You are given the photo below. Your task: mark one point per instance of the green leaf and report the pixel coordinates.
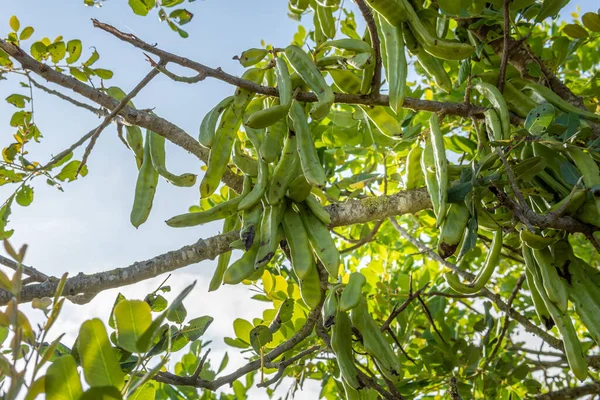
(454, 7)
(146, 340)
(26, 33)
(103, 73)
(132, 318)
(238, 343)
(24, 196)
(93, 58)
(17, 100)
(146, 392)
(100, 365)
(171, 3)
(62, 380)
(4, 214)
(569, 173)
(224, 363)
(575, 31)
(242, 329)
(36, 388)
(38, 50)
(539, 119)
(182, 16)
(78, 74)
(259, 337)
(74, 50)
(111, 318)
(140, 7)
(68, 172)
(196, 327)
(464, 71)
(14, 23)
(57, 51)
(591, 21)
(470, 239)
(459, 144)
(102, 393)
(550, 8)
(177, 314)
(156, 302)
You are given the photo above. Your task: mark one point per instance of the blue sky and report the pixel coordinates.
(86, 228)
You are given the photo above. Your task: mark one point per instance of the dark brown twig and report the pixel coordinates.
(397, 310)
(372, 99)
(364, 240)
(200, 365)
(453, 389)
(393, 335)
(375, 43)
(506, 49)
(430, 318)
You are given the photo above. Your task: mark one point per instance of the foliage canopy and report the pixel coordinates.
(406, 199)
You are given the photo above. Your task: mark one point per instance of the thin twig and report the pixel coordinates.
(430, 318)
(115, 111)
(397, 310)
(98, 111)
(200, 365)
(393, 335)
(506, 50)
(284, 364)
(364, 240)
(512, 297)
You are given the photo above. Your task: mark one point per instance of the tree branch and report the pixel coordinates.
(570, 393)
(283, 364)
(140, 118)
(33, 273)
(375, 43)
(365, 210)
(98, 111)
(459, 109)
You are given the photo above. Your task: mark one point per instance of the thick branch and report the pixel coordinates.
(134, 117)
(361, 211)
(459, 109)
(204, 249)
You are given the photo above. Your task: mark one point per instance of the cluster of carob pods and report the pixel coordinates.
(276, 154)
